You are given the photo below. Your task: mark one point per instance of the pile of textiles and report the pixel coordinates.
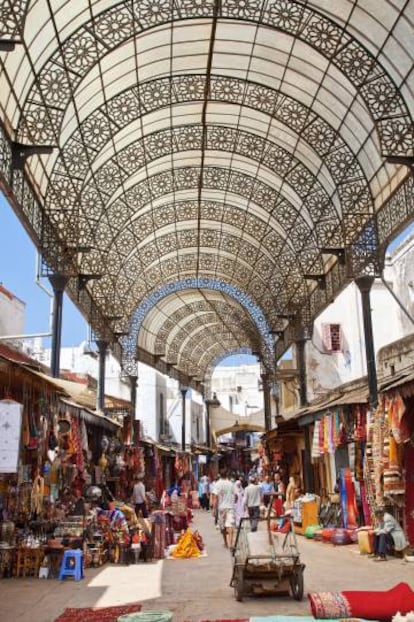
(363, 604)
(97, 614)
(189, 545)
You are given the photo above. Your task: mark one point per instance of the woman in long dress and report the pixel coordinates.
(239, 503)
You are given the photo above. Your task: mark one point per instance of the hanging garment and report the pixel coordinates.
(38, 491)
(315, 442)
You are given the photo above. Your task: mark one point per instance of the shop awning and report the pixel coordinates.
(223, 421)
(92, 417)
(404, 377)
(81, 394)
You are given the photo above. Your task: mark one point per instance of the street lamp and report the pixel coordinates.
(213, 402)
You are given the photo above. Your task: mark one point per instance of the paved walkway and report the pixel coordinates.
(196, 589)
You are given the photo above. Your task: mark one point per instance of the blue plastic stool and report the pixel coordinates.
(72, 565)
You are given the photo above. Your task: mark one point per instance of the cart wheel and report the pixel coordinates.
(296, 584)
(238, 584)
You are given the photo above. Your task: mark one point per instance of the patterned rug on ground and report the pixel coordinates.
(97, 614)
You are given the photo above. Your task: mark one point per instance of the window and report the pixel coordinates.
(332, 337)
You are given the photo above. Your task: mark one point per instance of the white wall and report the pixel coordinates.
(238, 388)
(77, 360)
(390, 323)
(399, 274)
(150, 384)
(12, 311)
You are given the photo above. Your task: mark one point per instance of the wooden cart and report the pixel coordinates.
(267, 561)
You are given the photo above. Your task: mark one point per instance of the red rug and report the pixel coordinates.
(369, 605)
(97, 614)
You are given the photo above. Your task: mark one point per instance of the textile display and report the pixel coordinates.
(409, 492)
(159, 534)
(379, 605)
(97, 614)
(348, 499)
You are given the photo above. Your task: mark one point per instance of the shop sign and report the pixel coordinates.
(10, 430)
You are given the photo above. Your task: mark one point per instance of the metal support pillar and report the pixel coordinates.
(58, 283)
(214, 402)
(266, 402)
(183, 391)
(308, 474)
(133, 382)
(208, 423)
(364, 284)
(100, 394)
(301, 364)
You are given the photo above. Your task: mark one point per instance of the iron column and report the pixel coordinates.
(133, 398)
(58, 283)
(364, 284)
(100, 394)
(266, 402)
(183, 391)
(301, 363)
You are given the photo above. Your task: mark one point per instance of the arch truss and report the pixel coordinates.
(207, 174)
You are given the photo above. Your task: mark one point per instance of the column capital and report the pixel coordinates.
(364, 283)
(102, 344)
(58, 282)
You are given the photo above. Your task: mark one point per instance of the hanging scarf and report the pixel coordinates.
(315, 452)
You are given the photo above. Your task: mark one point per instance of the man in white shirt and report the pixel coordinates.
(253, 498)
(139, 498)
(225, 503)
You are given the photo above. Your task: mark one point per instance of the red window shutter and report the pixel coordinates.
(326, 337)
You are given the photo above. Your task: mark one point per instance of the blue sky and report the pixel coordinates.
(18, 274)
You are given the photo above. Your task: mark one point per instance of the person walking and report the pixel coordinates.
(204, 493)
(225, 504)
(139, 498)
(253, 498)
(239, 502)
(213, 500)
(267, 490)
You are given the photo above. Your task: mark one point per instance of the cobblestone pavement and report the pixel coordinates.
(197, 589)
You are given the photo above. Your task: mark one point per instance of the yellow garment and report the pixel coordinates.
(38, 492)
(186, 546)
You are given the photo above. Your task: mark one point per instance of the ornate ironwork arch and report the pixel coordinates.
(179, 323)
(129, 342)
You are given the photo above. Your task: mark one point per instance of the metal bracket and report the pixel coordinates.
(8, 45)
(21, 152)
(83, 280)
(338, 252)
(404, 160)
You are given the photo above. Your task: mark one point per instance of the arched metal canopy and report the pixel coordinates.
(208, 174)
